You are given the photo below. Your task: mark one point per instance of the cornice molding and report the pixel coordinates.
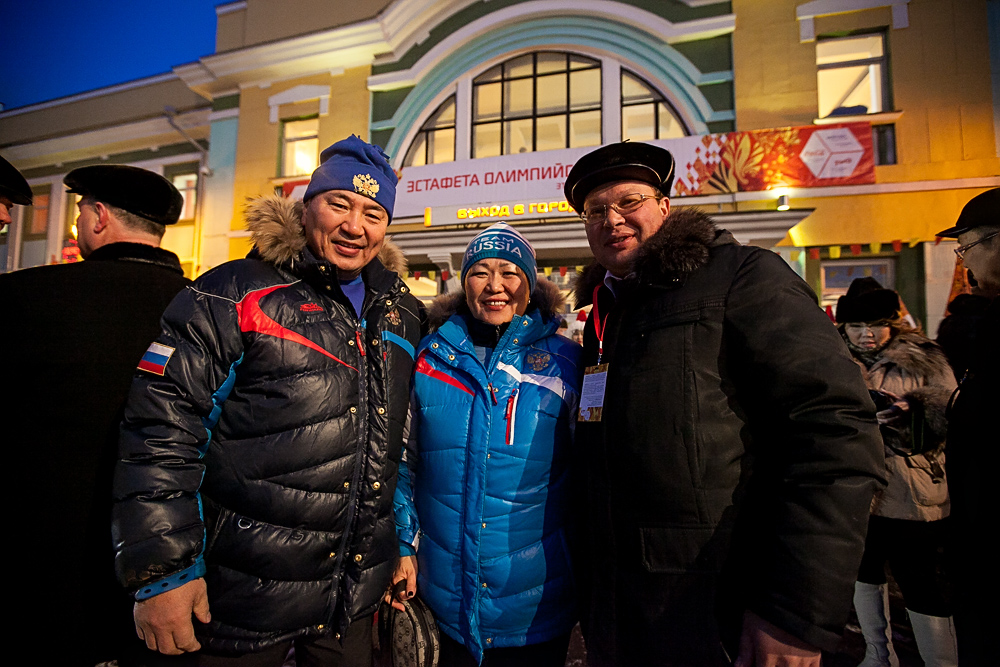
(90, 94)
(230, 7)
(661, 29)
(349, 46)
(881, 118)
(299, 94)
(139, 135)
(404, 24)
(805, 13)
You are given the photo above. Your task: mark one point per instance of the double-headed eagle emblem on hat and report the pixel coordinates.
(366, 185)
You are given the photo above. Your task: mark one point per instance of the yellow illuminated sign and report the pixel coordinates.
(506, 211)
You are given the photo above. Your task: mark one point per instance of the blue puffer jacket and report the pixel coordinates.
(483, 489)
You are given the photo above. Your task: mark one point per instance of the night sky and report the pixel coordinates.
(54, 48)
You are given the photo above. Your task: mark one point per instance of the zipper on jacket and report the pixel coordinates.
(509, 416)
(361, 344)
(493, 393)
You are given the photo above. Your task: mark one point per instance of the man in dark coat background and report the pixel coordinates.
(972, 436)
(727, 464)
(71, 339)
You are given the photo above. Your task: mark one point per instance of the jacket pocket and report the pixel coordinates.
(927, 491)
(683, 549)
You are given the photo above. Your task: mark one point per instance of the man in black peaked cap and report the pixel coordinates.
(972, 429)
(727, 446)
(72, 336)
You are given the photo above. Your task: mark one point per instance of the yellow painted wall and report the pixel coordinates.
(940, 78)
(774, 76)
(258, 139)
(878, 218)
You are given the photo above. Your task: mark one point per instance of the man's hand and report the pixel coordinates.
(164, 621)
(406, 570)
(765, 645)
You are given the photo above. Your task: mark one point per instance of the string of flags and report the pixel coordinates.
(836, 251)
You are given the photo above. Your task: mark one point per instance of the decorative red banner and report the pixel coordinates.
(756, 160)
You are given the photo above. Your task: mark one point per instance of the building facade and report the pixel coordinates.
(841, 133)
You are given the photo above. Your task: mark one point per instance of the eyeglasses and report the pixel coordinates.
(595, 215)
(962, 249)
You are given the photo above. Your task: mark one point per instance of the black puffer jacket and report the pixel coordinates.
(267, 450)
(738, 455)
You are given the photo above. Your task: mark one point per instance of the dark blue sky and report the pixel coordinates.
(54, 48)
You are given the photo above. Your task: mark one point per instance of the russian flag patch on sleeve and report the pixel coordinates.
(155, 359)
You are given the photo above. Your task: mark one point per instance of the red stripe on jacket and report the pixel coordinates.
(253, 319)
(425, 368)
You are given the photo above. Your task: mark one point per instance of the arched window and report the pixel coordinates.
(543, 101)
(536, 102)
(435, 142)
(646, 114)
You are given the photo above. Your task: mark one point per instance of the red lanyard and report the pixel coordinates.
(598, 325)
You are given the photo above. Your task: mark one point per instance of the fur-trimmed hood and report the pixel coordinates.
(275, 225)
(912, 355)
(679, 247)
(916, 355)
(546, 297)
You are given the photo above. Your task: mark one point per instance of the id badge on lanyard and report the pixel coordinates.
(595, 378)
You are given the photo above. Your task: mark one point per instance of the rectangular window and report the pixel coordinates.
(70, 247)
(852, 75)
(187, 185)
(299, 146)
(884, 141)
(35, 225)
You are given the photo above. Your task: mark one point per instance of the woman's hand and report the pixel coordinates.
(895, 415)
(406, 571)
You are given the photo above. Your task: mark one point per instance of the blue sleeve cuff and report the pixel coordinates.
(406, 549)
(175, 580)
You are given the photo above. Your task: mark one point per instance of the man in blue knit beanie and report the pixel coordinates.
(260, 446)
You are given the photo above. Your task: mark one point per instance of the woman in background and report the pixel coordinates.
(911, 382)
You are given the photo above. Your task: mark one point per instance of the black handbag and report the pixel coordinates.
(406, 638)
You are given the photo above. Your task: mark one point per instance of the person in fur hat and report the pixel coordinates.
(259, 451)
(727, 449)
(912, 381)
(482, 503)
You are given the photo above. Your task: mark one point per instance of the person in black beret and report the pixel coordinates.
(13, 190)
(253, 498)
(122, 203)
(72, 336)
(972, 434)
(727, 463)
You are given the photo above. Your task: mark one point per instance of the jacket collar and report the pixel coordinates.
(136, 252)
(677, 249)
(275, 225)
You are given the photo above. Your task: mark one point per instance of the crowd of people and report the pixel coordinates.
(708, 472)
